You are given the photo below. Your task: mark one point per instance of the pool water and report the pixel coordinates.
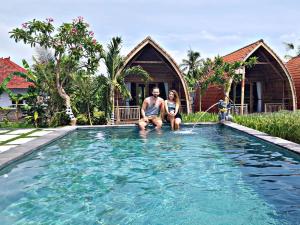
(211, 176)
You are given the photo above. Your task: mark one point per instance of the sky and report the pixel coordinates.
(212, 27)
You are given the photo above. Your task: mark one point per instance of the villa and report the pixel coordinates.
(17, 84)
(266, 87)
(164, 72)
(293, 66)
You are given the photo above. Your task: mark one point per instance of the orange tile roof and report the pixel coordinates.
(242, 53)
(7, 67)
(293, 66)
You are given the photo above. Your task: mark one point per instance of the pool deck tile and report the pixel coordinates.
(6, 137)
(4, 148)
(4, 131)
(39, 133)
(21, 131)
(20, 141)
(16, 153)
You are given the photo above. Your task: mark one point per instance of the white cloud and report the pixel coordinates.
(198, 36)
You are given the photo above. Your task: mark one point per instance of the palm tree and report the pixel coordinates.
(116, 72)
(292, 47)
(192, 68)
(190, 65)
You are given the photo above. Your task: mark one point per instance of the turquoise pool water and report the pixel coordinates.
(214, 176)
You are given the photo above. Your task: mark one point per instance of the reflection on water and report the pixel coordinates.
(212, 175)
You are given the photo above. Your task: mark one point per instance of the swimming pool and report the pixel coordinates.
(215, 175)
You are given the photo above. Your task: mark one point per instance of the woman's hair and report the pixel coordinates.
(176, 97)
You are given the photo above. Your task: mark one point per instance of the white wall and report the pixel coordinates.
(5, 100)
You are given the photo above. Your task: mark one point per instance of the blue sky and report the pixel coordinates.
(210, 27)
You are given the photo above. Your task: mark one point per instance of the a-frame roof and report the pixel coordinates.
(242, 53)
(169, 59)
(293, 66)
(6, 68)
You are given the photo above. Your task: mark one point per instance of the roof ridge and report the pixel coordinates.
(12, 64)
(294, 57)
(256, 42)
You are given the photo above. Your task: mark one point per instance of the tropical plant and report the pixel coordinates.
(292, 47)
(86, 89)
(190, 67)
(116, 73)
(73, 45)
(225, 73)
(284, 124)
(196, 73)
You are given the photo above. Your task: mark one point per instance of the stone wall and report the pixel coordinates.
(9, 114)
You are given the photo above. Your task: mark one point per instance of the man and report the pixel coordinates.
(152, 110)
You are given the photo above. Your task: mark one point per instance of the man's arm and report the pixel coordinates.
(162, 108)
(144, 106)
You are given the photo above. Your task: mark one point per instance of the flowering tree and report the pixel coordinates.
(73, 46)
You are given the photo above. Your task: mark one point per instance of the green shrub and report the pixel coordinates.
(199, 117)
(19, 124)
(59, 119)
(82, 119)
(283, 124)
(99, 118)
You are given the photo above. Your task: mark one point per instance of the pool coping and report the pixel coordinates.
(16, 153)
(289, 145)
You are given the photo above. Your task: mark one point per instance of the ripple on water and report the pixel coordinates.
(209, 175)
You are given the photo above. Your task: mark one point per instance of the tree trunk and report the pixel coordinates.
(89, 114)
(67, 100)
(112, 100)
(17, 110)
(227, 89)
(200, 100)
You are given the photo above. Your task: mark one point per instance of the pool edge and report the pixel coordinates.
(289, 145)
(16, 153)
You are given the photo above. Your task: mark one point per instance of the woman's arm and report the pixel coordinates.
(166, 106)
(176, 108)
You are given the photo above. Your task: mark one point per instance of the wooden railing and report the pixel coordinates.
(127, 114)
(274, 107)
(236, 109)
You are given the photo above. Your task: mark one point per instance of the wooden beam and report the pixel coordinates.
(273, 67)
(243, 92)
(262, 63)
(150, 62)
(251, 97)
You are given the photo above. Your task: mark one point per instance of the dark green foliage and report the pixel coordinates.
(99, 118)
(199, 117)
(284, 124)
(17, 124)
(82, 119)
(59, 119)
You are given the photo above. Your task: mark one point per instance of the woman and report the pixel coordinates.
(172, 105)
